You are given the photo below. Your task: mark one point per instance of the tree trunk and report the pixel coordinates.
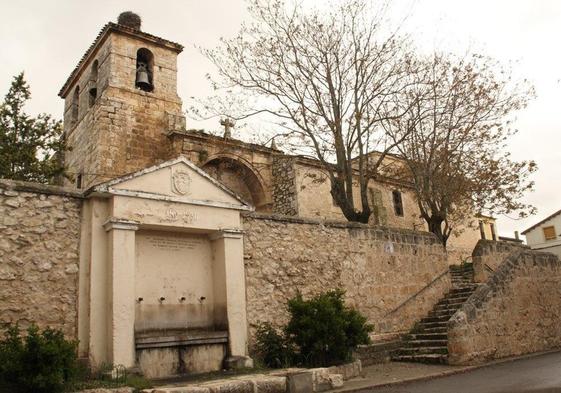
(435, 226)
(351, 214)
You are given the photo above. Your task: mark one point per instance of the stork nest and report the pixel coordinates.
(130, 19)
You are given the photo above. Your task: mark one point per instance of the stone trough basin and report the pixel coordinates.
(165, 353)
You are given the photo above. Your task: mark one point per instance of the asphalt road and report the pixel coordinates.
(539, 374)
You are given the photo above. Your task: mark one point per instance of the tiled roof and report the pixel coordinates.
(541, 222)
(110, 27)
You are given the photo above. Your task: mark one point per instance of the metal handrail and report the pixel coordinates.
(430, 284)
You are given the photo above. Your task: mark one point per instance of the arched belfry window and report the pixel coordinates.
(144, 70)
(92, 84)
(75, 104)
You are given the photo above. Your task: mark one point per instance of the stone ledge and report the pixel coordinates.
(294, 380)
(388, 231)
(377, 352)
(115, 390)
(502, 276)
(164, 339)
(484, 247)
(38, 188)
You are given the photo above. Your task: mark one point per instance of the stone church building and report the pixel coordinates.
(169, 246)
(116, 124)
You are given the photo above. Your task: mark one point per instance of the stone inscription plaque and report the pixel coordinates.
(170, 243)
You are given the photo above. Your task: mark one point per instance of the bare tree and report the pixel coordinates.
(453, 138)
(329, 79)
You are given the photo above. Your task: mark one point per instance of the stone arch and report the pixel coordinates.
(240, 177)
(144, 69)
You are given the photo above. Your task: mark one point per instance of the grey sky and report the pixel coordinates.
(47, 38)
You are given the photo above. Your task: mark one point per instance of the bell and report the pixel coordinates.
(143, 79)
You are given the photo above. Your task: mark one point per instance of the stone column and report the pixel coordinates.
(120, 287)
(228, 251)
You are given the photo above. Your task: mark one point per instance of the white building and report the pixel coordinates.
(546, 234)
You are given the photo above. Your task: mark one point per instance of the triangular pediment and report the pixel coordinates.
(178, 180)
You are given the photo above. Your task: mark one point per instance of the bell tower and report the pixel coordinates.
(120, 102)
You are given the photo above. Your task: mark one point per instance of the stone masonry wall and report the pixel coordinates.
(124, 129)
(393, 276)
(517, 311)
(284, 186)
(39, 241)
(488, 255)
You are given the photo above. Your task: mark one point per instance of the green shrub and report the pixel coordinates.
(273, 349)
(324, 329)
(40, 362)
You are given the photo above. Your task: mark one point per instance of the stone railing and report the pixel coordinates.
(488, 255)
(517, 311)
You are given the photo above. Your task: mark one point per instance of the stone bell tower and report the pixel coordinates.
(120, 103)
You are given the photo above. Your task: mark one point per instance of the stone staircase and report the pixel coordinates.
(428, 341)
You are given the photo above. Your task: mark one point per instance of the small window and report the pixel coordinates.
(493, 234)
(93, 84)
(549, 233)
(144, 70)
(75, 105)
(397, 203)
(79, 181)
(482, 230)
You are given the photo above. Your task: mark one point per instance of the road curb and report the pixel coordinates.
(460, 370)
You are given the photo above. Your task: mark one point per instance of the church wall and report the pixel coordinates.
(315, 200)
(39, 247)
(461, 243)
(207, 151)
(284, 186)
(393, 276)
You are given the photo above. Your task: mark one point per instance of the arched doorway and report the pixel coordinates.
(239, 178)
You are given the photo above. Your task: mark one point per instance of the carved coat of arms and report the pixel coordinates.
(181, 182)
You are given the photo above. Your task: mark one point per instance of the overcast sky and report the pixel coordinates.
(47, 38)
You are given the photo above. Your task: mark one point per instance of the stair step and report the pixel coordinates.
(434, 329)
(432, 358)
(427, 336)
(440, 318)
(443, 323)
(448, 307)
(422, 350)
(457, 297)
(463, 290)
(426, 343)
(454, 299)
